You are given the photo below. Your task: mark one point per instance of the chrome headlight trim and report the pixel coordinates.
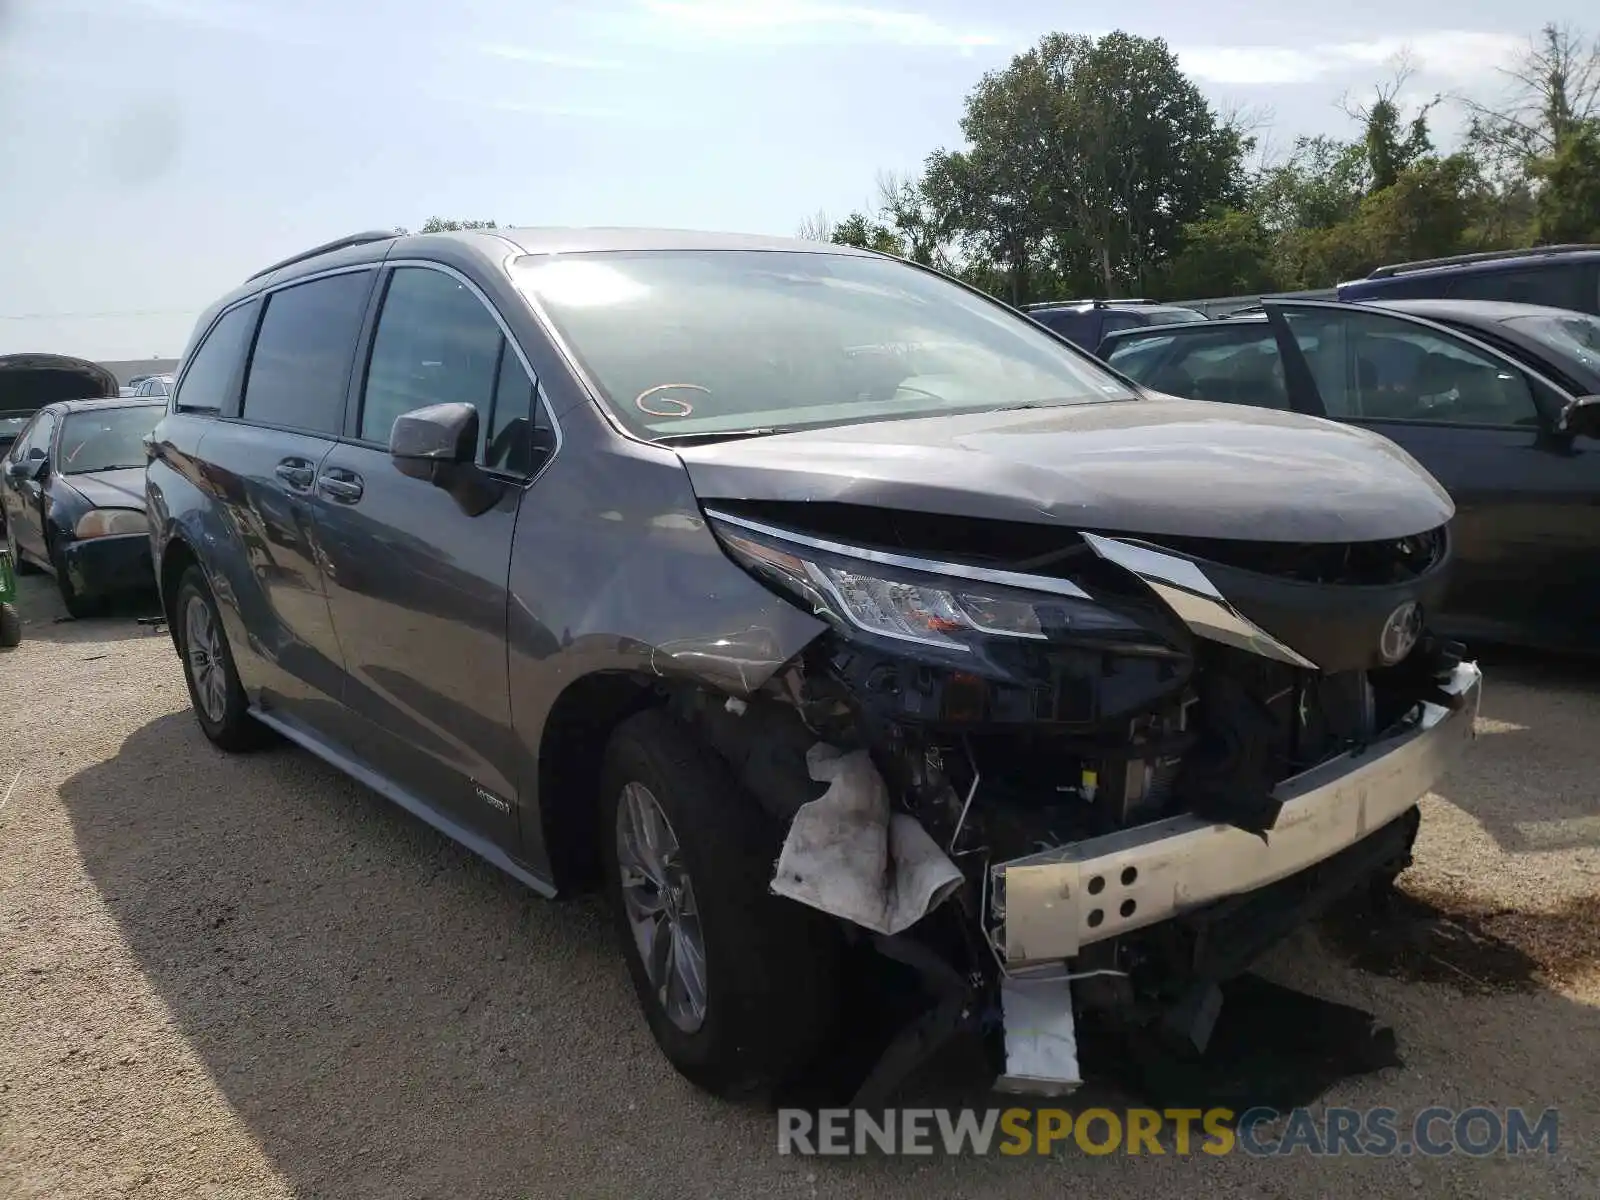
(1184, 588)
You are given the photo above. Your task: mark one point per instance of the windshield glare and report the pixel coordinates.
(708, 342)
(106, 439)
(1575, 334)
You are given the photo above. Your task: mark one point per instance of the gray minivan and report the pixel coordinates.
(820, 608)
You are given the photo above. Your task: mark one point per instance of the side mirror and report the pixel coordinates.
(1580, 418)
(438, 445)
(32, 467)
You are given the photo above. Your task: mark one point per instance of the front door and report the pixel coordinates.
(1527, 550)
(418, 587)
(24, 498)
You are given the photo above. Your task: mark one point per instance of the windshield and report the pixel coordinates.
(1574, 334)
(717, 342)
(107, 438)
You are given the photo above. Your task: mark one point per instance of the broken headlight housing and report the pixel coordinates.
(946, 606)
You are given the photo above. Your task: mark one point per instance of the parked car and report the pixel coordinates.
(1566, 276)
(791, 591)
(73, 493)
(155, 387)
(1500, 402)
(1085, 322)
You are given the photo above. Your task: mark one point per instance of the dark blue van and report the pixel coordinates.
(1565, 276)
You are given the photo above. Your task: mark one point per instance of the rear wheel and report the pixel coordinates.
(740, 987)
(77, 604)
(219, 701)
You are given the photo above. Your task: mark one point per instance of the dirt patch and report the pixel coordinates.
(1432, 936)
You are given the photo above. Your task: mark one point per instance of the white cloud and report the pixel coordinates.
(1445, 55)
(788, 21)
(570, 62)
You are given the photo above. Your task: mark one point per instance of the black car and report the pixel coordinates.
(73, 491)
(789, 592)
(1500, 402)
(1565, 276)
(1085, 322)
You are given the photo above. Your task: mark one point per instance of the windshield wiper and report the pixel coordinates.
(722, 435)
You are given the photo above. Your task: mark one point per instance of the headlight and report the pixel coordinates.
(106, 522)
(946, 605)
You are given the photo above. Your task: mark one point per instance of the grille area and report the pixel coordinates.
(1347, 563)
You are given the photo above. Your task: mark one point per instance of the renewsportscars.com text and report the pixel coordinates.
(1373, 1132)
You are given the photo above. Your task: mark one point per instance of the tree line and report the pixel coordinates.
(1095, 167)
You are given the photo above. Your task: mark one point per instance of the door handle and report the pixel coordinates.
(338, 484)
(296, 472)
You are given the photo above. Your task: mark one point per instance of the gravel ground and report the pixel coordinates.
(229, 977)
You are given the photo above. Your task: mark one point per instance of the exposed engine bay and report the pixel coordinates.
(1083, 772)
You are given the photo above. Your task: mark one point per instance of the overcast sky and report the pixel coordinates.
(155, 152)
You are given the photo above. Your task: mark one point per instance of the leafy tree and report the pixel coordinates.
(860, 230)
(1227, 255)
(1568, 202)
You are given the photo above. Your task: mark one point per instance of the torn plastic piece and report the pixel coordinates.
(1041, 1036)
(848, 855)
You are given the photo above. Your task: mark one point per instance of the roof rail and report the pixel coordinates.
(1393, 269)
(344, 243)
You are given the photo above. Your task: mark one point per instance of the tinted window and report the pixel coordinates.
(1115, 321)
(697, 343)
(28, 438)
(211, 370)
(301, 363)
(519, 433)
(39, 437)
(1575, 335)
(1378, 367)
(1231, 364)
(1076, 327)
(1559, 285)
(436, 344)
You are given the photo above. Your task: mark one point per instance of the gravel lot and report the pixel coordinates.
(250, 977)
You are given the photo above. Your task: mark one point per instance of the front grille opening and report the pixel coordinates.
(1398, 560)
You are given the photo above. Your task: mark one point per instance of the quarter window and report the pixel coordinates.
(1375, 367)
(1232, 364)
(300, 367)
(211, 369)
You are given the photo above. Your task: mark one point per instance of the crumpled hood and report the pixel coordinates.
(111, 489)
(1158, 466)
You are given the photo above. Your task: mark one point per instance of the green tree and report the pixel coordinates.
(1227, 255)
(861, 230)
(1567, 206)
(1084, 161)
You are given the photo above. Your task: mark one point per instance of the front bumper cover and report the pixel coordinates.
(1048, 906)
(105, 565)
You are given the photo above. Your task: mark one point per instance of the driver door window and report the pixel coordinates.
(1369, 366)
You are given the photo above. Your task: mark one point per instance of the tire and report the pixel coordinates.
(219, 702)
(77, 604)
(10, 626)
(771, 966)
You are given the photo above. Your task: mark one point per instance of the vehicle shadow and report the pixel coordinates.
(391, 1016)
(45, 619)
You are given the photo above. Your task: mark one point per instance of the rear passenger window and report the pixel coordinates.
(1558, 285)
(437, 343)
(301, 363)
(212, 366)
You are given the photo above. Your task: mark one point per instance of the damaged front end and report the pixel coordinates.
(1062, 772)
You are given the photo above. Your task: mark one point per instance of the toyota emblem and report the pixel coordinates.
(1400, 633)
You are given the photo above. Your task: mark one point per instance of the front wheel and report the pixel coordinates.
(218, 698)
(740, 987)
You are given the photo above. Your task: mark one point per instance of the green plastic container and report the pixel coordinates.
(10, 619)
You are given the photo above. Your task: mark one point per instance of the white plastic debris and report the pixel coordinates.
(1041, 1037)
(849, 855)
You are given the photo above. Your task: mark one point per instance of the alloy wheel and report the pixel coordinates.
(658, 899)
(202, 644)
